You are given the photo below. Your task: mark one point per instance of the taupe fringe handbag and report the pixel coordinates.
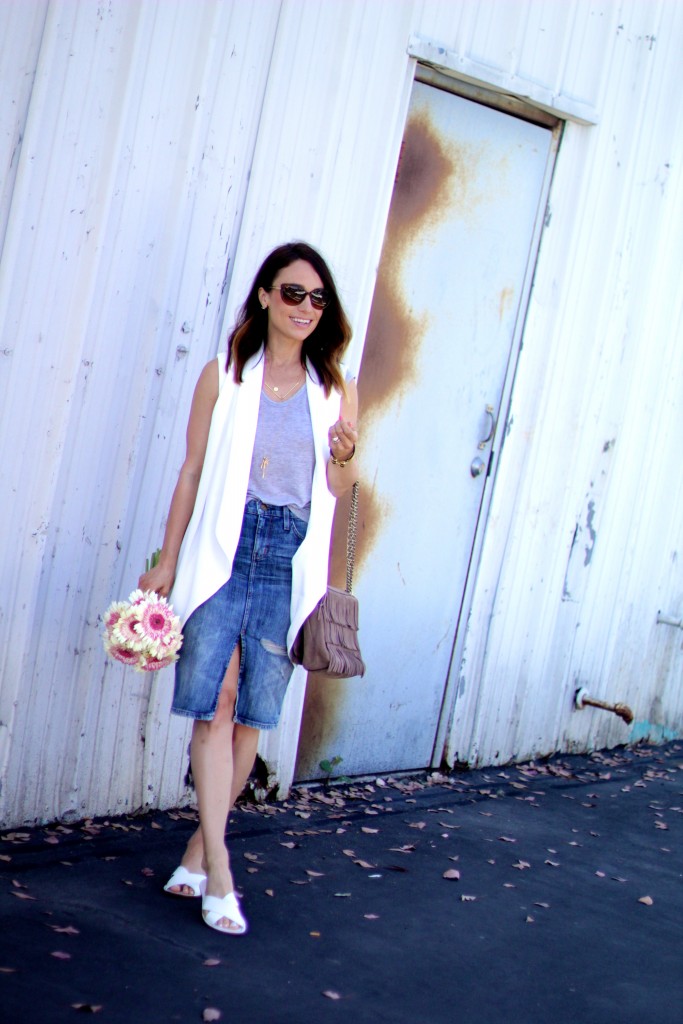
(328, 640)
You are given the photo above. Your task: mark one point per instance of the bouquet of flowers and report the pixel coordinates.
(143, 631)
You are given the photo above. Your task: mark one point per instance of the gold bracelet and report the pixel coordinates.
(342, 462)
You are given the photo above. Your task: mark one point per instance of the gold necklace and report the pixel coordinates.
(276, 390)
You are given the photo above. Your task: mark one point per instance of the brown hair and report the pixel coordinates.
(324, 347)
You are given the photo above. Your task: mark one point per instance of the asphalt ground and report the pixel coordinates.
(545, 892)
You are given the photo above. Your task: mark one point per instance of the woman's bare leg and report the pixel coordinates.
(244, 747)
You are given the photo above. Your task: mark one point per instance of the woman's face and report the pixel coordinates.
(287, 322)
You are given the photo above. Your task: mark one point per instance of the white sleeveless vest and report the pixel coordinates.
(210, 542)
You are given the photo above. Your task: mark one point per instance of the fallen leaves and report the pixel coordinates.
(452, 874)
(211, 1013)
(330, 994)
(647, 900)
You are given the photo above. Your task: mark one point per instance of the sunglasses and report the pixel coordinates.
(294, 295)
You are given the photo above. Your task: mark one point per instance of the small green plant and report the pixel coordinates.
(328, 765)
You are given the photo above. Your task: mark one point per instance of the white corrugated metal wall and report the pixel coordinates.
(151, 154)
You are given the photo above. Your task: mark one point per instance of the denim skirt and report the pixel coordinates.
(252, 608)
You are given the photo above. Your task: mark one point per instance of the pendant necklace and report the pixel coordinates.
(282, 395)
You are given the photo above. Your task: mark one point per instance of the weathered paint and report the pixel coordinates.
(423, 188)
(445, 220)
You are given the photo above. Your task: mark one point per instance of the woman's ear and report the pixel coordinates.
(263, 297)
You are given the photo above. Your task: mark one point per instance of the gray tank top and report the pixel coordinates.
(283, 458)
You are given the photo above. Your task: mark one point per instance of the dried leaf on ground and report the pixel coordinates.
(507, 839)
(369, 831)
(364, 864)
(331, 995)
(408, 848)
(647, 900)
(67, 930)
(451, 874)
(467, 899)
(371, 917)
(59, 954)
(211, 1013)
(522, 865)
(417, 824)
(212, 962)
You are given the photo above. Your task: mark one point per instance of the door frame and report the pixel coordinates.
(514, 107)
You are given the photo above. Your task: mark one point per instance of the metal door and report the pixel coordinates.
(446, 319)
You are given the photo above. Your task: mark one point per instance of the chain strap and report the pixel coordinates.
(351, 538)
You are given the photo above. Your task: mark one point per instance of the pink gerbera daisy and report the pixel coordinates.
(123, 654)
(125, 633)
(114, 613)
(156, 621)
(146, 664)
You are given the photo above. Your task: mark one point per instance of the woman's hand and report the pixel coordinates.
(342, 438)
(159, 579)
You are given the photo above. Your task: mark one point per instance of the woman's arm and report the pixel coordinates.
(161, 577)
(342, 478)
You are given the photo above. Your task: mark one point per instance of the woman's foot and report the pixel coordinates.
(220, 908)
(185, 883)
(179, 884)
(224, 915)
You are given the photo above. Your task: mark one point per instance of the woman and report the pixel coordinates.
(270, 440)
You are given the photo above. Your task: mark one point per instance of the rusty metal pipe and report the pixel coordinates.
(581, 700)
(667, 620)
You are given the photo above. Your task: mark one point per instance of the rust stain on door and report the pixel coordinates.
(433, 177)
